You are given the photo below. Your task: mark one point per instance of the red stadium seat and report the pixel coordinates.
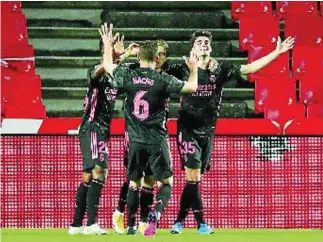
(21, 96)
(13, 30)
(307, 61)
(274, 91)
(16, 51)
(300, 29)
(311, 89)
(258, 31)
(284, 115)
(17, 66)
(20, 88)
(278, 68)
(315, 111)
(287, 8)
(10, 7)
(247, 8)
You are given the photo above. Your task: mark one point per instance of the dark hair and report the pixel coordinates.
(200, 33)
(100, 45)
(148, 50)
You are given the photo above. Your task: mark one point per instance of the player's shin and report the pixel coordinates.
(162, 199)
(123, 197)
(133, 204)
(185, 204)
(93, 200)
(197, 205)
(146, 201)
(80, 204)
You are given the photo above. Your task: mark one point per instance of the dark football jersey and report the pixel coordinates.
(146, 92)
(199, 110)
(99, 101)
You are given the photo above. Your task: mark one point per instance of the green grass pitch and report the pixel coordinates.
(221, 235)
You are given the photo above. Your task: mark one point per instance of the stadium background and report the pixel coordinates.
(267, 163)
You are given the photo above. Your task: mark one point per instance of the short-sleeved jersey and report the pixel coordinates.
(199, 110)
(99, 101)
(146, 92)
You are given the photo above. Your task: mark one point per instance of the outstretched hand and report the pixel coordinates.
(118, 46)
(284, 46)
(192, 61)
(106, 34)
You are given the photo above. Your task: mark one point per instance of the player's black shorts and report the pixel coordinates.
(195, 151)
(149, 160)
(94, 146)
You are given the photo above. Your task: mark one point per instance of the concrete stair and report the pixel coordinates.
(65, 38)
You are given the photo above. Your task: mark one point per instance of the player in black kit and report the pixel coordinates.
(198, 115)
(145, 112)
(147, 188)
(94, 134)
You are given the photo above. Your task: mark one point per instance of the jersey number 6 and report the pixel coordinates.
(141, 106)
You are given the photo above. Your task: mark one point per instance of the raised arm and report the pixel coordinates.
(264, 61)
(191, 85)
(108, 41)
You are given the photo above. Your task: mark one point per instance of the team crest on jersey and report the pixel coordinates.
(111, 93)
(212, 78)
(272, 148)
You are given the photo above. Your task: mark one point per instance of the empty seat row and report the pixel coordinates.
(305, 61)
(283, 8)
(285, 114)
(265, 31)
(282, 90)
(21, 95)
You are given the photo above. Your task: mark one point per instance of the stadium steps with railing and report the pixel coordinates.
(65, 38)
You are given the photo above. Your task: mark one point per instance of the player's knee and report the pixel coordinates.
(87, 177)
(167, 181)
(193, 174)
(148, 182)
(99, 173)
(135, 184)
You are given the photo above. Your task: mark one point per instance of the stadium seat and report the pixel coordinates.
(284, 114)
(21, 96)
(13, 30)
(315, 110)
(17, 66)
(10, 7)
(288, 8)
(20, 88)
(248, 8)
(16, 51)
(258, 31)
(274, 91)
(278, 68)
(300, 29)
(311, 89)
(307, 61)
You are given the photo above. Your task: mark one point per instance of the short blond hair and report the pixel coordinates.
(163, 43)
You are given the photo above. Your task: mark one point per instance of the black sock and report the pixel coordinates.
(123, 197)
(197, 205)
(133, 204)
(146, 200)
(93, 200)
(185, 204)
(163, 197)
(80, 204)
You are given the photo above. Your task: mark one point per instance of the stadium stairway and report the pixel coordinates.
(65, 38)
